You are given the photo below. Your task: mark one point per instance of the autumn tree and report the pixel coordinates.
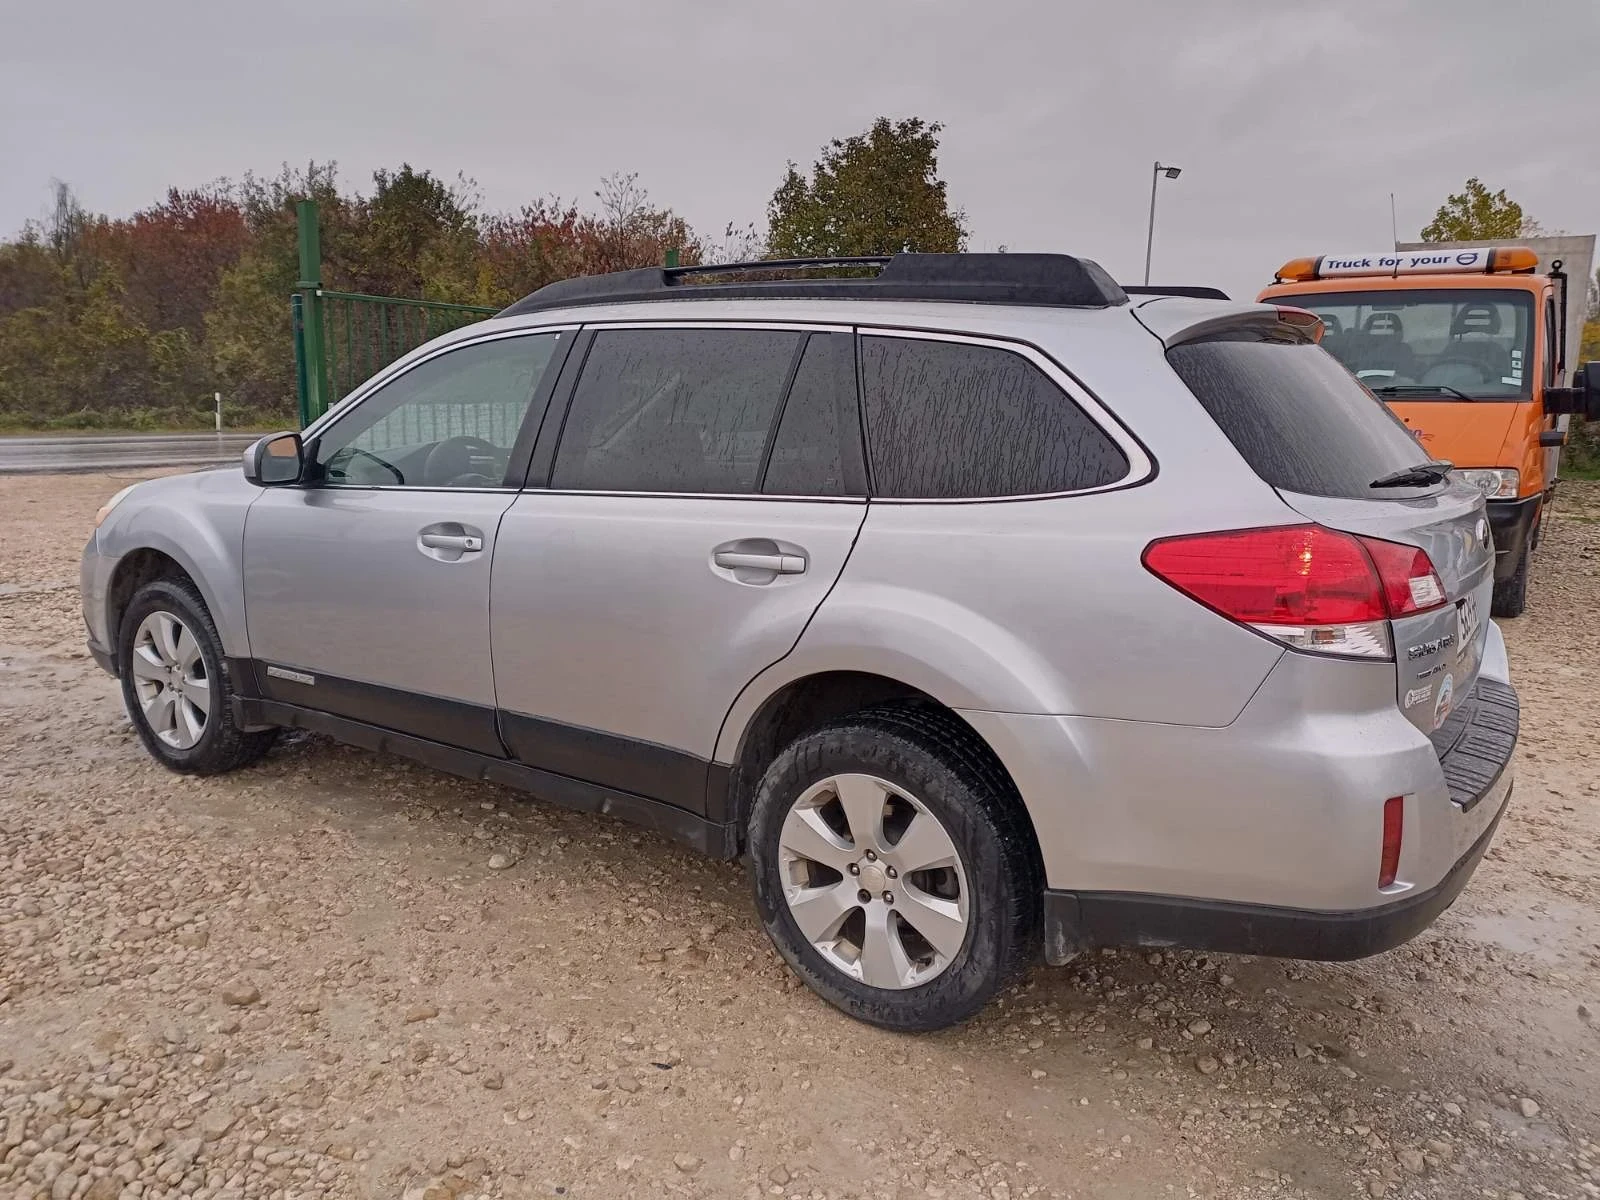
(419, 236)
(135, 321)
(552, 239)
(171, 257)
(30, 276)
(875, 193)
(1477, 214)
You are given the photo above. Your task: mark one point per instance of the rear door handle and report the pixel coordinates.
(783, 564)
(467, 543)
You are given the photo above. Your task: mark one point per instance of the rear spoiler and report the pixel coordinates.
(1192, 291)
(1180, 320)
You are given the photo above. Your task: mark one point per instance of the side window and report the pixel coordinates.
(449, 422)
(1551, 341)
(674, 410)
(817, 449)
(948, 420)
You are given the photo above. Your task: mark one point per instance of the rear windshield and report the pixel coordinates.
(1297, 416)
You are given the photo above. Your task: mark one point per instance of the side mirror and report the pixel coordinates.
(1588, 383)
(275, 460)
(1582, 399)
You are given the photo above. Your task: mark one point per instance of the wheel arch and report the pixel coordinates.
(157, 556)
(807, 702)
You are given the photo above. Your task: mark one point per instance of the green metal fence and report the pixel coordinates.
(342, 339)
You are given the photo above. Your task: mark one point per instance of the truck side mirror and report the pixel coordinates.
(274, 461)
(1588, 381)
(1582, 399)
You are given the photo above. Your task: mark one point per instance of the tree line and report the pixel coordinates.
(134, 322)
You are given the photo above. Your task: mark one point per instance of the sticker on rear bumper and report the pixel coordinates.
(1441, 708)
(1417, 696)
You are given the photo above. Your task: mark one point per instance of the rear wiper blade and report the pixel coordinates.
(1420, 389)
(1420, 475)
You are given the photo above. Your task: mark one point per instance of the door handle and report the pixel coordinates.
(466, 543)
(783, 564)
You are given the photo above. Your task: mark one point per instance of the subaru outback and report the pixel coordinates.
(993, 613)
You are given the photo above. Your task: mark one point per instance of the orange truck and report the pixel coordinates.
(1468, 345)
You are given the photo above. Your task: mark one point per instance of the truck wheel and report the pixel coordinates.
(1511, 597)
(894, 870)
(175, 683)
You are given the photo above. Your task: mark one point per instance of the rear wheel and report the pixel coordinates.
(1511, 596)
(890, 869)
(175, 683)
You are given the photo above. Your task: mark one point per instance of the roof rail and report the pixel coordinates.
(1057, 280)
(1193, 291)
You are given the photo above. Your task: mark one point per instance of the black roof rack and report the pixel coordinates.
(1180, 289)
(1058, 280)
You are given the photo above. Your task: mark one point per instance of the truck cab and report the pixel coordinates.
(1467, 348)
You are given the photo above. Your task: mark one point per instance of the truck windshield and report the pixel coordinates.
(1433, 344)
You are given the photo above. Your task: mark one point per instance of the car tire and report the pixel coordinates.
(175, 683)
(956, 933)
(1511, 596)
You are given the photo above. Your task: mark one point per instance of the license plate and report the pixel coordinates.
(1466, 624)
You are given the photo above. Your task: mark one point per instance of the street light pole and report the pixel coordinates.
(1150, 237)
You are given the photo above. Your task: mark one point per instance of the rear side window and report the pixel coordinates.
(674, 410)
(817, 450)
(951, 420)
(1297, 416)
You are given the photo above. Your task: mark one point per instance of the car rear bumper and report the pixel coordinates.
(1511, 522)
(1269, 826)
(1077, 921)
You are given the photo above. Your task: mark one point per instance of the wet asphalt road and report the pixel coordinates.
(41, 455)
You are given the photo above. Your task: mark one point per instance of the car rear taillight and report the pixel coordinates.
(1394, 814)
(1309, 587)
(1410, 584)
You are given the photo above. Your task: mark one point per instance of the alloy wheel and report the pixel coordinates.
(170, 680)
(874, 881)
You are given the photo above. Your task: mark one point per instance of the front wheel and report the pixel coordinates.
(175, 683)
(893, 869)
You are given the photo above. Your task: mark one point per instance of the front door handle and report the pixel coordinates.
(783, 564)
(466, 543)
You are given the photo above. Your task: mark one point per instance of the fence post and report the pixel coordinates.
(311, 354)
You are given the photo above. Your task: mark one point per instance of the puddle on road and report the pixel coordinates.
(1548, 933)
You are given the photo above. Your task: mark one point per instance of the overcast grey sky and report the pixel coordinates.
(1292, 122)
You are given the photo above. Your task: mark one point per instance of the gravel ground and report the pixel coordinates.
(337, 974)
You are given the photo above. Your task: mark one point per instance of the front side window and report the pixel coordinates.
(449, 422)
(951, 420)
(674, 410)
(1431, 343)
